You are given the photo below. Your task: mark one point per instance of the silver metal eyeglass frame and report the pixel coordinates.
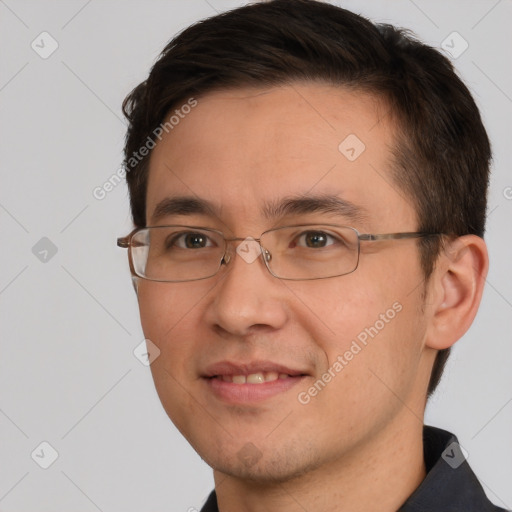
(126, 243)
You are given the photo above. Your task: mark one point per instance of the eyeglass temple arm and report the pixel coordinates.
(126, 241)
(123, 242)
(394, 236)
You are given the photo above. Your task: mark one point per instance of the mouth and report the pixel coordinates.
(250, 382)
(253, 378)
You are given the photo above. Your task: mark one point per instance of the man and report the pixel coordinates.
(309, 196)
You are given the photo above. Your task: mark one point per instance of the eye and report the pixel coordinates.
(190, 240)
(315, 239)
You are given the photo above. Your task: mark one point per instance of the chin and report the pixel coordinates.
(269, 465)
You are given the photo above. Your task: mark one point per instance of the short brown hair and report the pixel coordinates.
(442, 152)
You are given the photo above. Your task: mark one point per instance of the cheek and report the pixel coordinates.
(156, 311)
(169, 318)
(371, 360)
(165, 307)
(364, 331)
(336, 312)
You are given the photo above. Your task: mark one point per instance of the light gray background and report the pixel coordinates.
(69, 325)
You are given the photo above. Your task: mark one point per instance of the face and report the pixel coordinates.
(341, 360)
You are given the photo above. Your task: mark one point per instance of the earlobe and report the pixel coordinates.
(456, 290)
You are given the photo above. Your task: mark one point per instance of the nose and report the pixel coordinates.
(247, 297)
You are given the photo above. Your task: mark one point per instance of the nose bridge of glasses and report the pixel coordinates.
(248, 248)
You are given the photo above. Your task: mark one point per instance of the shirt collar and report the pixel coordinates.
(450, 484)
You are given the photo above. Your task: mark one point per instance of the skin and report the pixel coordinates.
(358, 441)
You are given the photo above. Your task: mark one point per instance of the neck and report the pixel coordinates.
(381, 475)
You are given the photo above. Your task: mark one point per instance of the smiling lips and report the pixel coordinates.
(245, 383)
(253, 378)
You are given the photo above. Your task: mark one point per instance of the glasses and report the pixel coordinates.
(305, 252)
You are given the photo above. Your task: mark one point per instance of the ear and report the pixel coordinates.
(455, 290)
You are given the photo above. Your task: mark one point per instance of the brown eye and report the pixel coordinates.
(195, 241)
(190, 240)
(314, 239)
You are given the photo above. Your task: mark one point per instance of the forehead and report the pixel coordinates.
(241, 149)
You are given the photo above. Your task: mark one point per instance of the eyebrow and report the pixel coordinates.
(183, 205)
(272, 210)
(300, 205)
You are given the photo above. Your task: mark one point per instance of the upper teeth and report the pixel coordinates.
(254, 378)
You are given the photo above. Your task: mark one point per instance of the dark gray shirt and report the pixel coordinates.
(450, 484)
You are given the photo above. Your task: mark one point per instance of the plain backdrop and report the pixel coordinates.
(69, 318)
